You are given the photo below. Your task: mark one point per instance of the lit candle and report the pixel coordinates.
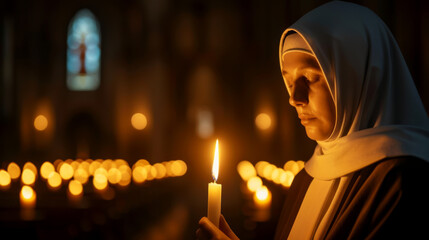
(27, 197)
(215, 191)
(262, 200)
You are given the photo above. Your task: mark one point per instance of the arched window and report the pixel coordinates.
(83, 52)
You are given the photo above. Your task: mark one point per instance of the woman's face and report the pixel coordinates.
(309, 94)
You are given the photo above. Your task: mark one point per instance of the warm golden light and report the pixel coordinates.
(57, 164)
(141, 162)
(138, 121)
(99, 181)
(260, 167)
(84, 166)
(13, 170)
(46, 169)
(114, 176)
(125, 177)
(151, 172)
(262, 193)
(27, 197)
(27, 193)
(93, 166)
(40, 123)
(300, 164)
(4, 178)
(292, 166)
(178, 168)
(54, 180)
(215, 168)
(107, 164)
(276, 175)
(263, 121)
(267, 171)
(246, 170)
(161, 171)
(28, 177)
(120, 162)
(66, 171)
(254, 183)
(139, 174)
(288, 179)
(75, 187)
(262, 197)
(81, 175)
(30, 166)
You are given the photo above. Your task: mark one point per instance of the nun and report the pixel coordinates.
(368, 177)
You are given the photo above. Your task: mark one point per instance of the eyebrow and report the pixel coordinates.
(311, 68)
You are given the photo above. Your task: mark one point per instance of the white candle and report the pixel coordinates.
(215, 191)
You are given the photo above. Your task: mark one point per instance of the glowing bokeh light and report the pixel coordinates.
(40, 123)
(262, 193)
(267, 171)
(288, 179)
(262, 196)
(31, 166)
(54, 180)
(46, 169)
(99, 181)
(4, 178)
(141, 162)
(263, 121)
(27, 195)
(107, 164)
(179, 168)
(291, 166)
(161, 171)
(14, 170)
(300, 164)
(260, 166)
(125, 175)
(151, 172)
(75, 187)
(66, 171)
(139, 174)
(246, 170)
(254, 183)
(114, 175)
(28, 177)
(139, 121)
(81, 175)
(93, 166)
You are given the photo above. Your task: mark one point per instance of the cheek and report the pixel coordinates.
(323, 107)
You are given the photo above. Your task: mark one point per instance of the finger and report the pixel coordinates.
(206, 224)
(212, 231)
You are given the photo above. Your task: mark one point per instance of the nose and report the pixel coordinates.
(298, 95)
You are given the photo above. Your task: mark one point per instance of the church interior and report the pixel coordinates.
(110, 111)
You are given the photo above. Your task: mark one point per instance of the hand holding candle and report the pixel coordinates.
(215, 191)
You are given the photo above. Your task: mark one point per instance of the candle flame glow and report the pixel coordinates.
(215, 168)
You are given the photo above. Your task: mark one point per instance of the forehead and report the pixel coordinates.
(298, 60)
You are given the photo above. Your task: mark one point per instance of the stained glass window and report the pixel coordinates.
(83, 52)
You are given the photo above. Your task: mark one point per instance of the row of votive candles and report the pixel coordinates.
(252, 176)
(78, 172)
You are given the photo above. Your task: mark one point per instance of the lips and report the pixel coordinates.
(306, 118)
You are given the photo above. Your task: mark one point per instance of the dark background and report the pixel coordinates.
(168, 59)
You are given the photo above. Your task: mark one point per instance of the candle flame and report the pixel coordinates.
(215, 168)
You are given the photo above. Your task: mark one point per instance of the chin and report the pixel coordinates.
(315, 135)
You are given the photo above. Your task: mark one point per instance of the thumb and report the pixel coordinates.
(224, 227)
